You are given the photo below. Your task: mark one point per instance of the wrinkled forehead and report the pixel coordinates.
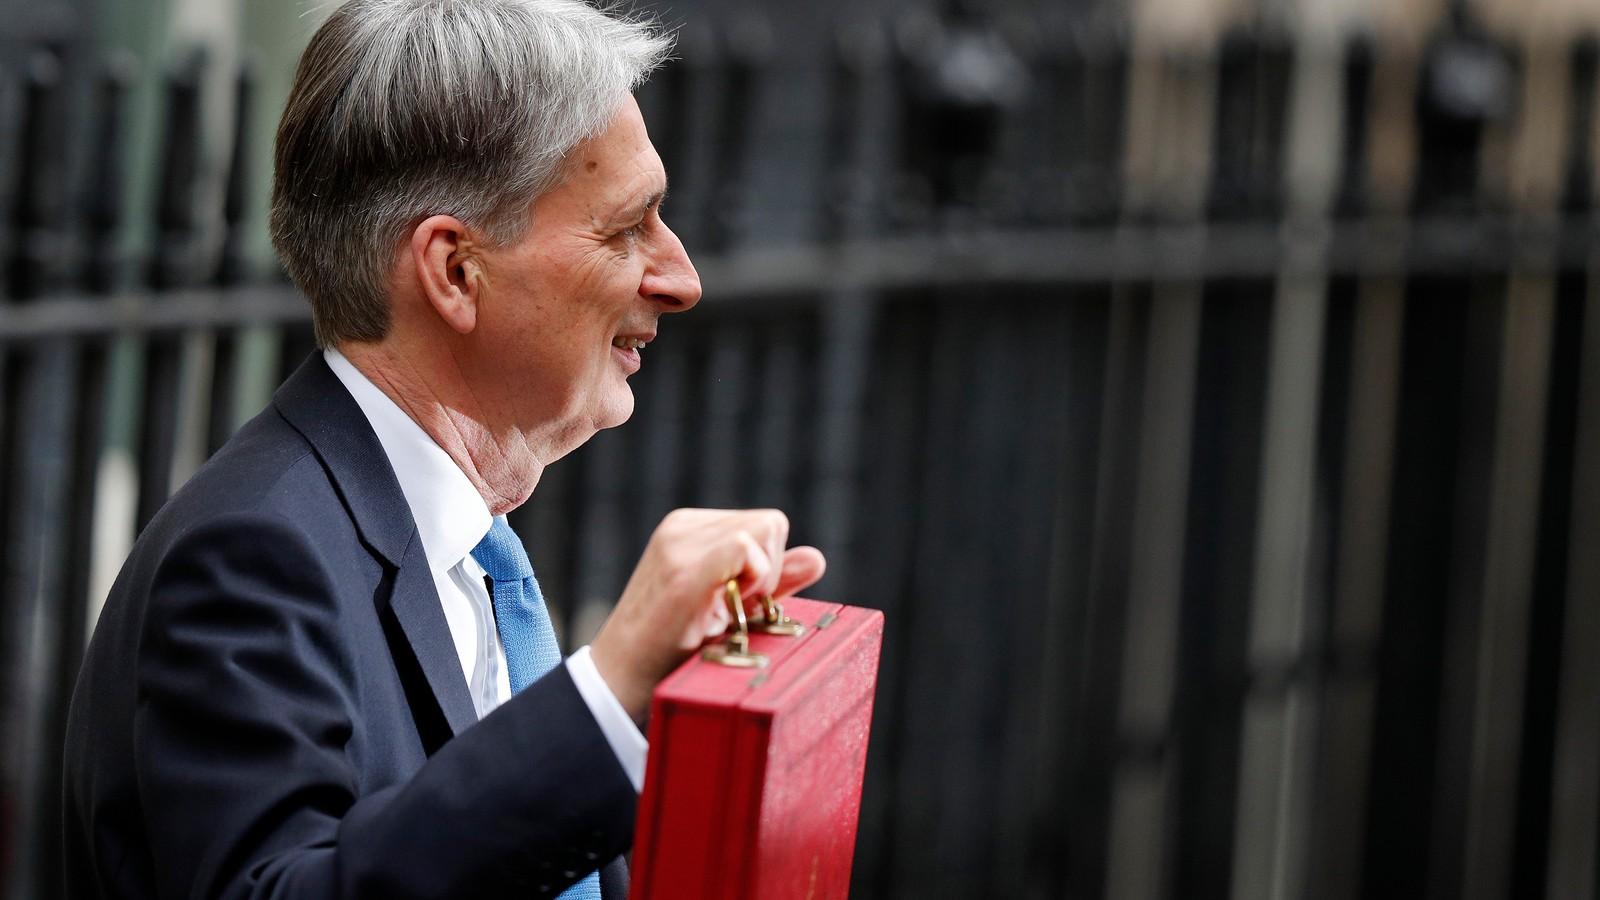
(619, 166)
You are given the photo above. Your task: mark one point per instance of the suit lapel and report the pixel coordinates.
(416, 606)
(318, 406)
(614, 879)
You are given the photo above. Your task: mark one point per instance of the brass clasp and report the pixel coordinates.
(775, 622)
(736, 652)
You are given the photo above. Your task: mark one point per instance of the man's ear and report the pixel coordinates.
(449, 270)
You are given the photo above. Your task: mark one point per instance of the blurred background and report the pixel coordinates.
(1207, 390)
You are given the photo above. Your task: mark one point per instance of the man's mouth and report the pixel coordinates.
(627, 347)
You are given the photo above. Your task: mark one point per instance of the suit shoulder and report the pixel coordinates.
(266, 499)
(267, 467)
(267, 474)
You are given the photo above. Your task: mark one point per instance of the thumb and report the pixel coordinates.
(802, 567)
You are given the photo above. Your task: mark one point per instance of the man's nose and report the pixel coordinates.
(671, 279)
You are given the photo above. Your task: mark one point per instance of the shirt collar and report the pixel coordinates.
(450, 513)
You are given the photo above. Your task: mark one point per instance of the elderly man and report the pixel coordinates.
(326, 669)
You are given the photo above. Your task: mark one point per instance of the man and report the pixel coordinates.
(326, 669)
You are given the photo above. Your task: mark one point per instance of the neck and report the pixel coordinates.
(500, 462)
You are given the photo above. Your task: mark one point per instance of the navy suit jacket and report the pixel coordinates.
(272, 705)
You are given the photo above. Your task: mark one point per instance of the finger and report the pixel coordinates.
(758, 567)
(770, 529)
(728, 554)
(715, 621)
(777, 539)
(802, 567)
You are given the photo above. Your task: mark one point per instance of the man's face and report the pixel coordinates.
(563, 310)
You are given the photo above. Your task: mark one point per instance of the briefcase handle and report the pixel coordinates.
(736, 652)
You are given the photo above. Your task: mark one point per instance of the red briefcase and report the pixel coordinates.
(753, 785)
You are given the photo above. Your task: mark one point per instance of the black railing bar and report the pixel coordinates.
(103, 211)
(1510, 547)
(173, 264)
(722, 397)
(1370, 376)
(232, 265)
(1374, 247)
(1575, 782)
(1140, 821)
(154, 311)
(1371, 247)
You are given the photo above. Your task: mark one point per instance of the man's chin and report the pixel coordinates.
(616, 412)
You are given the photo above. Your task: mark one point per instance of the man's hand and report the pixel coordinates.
(674, 601)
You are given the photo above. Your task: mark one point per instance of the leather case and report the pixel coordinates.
(753, 784)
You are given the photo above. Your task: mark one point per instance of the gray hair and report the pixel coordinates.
(403, 109)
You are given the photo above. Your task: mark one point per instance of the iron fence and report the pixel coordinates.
(1218, 429)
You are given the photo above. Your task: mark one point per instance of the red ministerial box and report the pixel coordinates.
(753, 785)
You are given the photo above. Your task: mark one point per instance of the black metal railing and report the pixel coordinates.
(1217, 426)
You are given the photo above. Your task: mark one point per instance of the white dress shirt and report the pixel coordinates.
(451, 519)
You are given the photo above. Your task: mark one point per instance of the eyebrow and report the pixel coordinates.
(653, 201)
(638, 210)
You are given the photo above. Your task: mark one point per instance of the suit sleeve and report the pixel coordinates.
(247, 703)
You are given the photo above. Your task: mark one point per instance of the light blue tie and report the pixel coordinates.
(525, 631)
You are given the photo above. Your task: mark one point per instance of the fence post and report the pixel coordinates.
(87, 434)
(1575, 777)
(1171, 105)
(746, 61)
(1510, 538)
(1366, 374)
(172, 266)
(231, 267)
(32, 466)
(1273, 812)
